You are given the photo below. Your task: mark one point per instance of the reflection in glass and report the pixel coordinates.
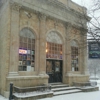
(53, 50)
(49, 66)
(27, 42)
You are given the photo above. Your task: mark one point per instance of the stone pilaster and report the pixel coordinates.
(83, 54)
(67, 58)
(42, 44)
(68, 48)
(85, 58)
(14, 39)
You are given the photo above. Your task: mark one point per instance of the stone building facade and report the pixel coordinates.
(42, 41)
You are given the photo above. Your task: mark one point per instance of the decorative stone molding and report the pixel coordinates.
(55, 24)
(41, 16)
(28, 14)
(14, 6)
(61, 11)
(13, 74)
(67, 25)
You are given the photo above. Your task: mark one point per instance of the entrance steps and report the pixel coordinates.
(60, 89)
(54, 89)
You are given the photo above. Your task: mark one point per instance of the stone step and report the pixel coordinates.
(32, 95)
(66, 92)
(60, 89)
(63, 89)
(59, 86)
(58, 83)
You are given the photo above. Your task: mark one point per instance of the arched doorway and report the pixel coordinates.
(54, 54)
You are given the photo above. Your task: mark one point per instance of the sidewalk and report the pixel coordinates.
(2, 98)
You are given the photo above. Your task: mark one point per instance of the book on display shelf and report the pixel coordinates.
(20, 63)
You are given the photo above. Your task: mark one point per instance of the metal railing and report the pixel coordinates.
(11, 91)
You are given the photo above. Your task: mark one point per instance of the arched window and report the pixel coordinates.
(26, 50)
(74, 56)
(53, 46)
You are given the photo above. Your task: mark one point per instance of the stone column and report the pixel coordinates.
(42, 44)
(14, 40)
(81, 54)
(85, 65)
(67, 58)
(68, 49)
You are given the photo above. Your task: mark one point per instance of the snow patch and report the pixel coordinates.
(31, 94)
(77, 96)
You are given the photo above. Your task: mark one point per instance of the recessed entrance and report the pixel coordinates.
(54, 70)
(54, 57)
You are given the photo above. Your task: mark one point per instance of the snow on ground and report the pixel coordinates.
(79, 96)
(75, 96)
(2, 98)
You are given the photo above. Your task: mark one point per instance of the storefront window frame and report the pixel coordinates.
(27, 42)
(74, 56)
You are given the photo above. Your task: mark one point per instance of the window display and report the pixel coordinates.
(57, 66)
(53, 50)
(74, 58)
(26, 51)
(49, 66)
(54, 46)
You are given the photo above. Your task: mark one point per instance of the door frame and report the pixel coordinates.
(55, 76)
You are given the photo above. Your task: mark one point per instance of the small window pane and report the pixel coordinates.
(54, 50)
(27, 44)
(74, 57)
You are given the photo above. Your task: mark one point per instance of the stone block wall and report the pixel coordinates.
(77, 7)
(4, 45)
(27, 81)
(12, 20)
(76, 78)
(74, 6)
(64, 1)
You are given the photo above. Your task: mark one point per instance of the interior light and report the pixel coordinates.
(22, 51)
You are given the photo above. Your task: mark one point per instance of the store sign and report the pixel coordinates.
(94, 50)
(21, 51)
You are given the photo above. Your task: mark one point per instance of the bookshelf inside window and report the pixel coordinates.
(74, 58)
(27, 60)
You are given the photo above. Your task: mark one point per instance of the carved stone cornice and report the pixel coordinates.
(67, 25)
(61, 12)
(41, 16)
(14, 6)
